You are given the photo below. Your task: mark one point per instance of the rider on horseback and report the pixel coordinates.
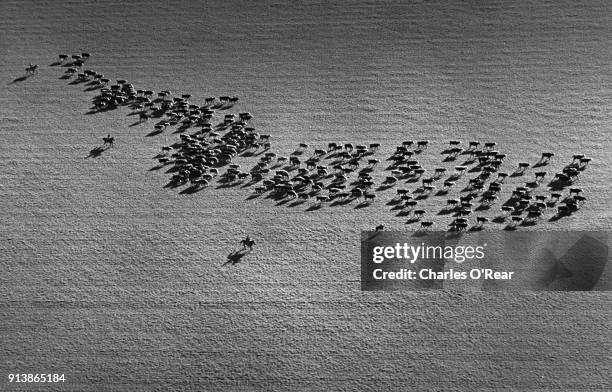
(247, 242)
(108, 140)
(31, 69)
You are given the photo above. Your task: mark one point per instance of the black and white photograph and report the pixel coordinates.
(358, 195)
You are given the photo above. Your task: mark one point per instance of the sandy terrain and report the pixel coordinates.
(119, 283)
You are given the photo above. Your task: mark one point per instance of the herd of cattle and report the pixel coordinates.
(339, 173)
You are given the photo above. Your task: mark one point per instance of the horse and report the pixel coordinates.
(31, 69)
(108, 140)
(247, 243)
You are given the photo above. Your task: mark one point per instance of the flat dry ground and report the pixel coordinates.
(118, 282)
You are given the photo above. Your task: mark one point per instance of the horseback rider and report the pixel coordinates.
(248, 242)
(108, 140)
(30, 69)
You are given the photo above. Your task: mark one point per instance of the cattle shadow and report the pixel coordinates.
(282, 202)
(152, 133)
(224, 106)
(397, 207)
(361, 205)
(225, 185)
(92, 88)
(95, 110)
(393, 202)
(251, 183)
(191, 190)
(557, 217)
(296, 203)
(134, 124)
(174, 183)
(556, 185)
(182, 129)
(341, 202)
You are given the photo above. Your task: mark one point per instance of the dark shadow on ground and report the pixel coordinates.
(235, 257)
(341, 202)
(191, 190)
(296, 203)
(96, 152)
(393, 202)
(152, 133)
(557, 217)
(19, 79)
(282, 202)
